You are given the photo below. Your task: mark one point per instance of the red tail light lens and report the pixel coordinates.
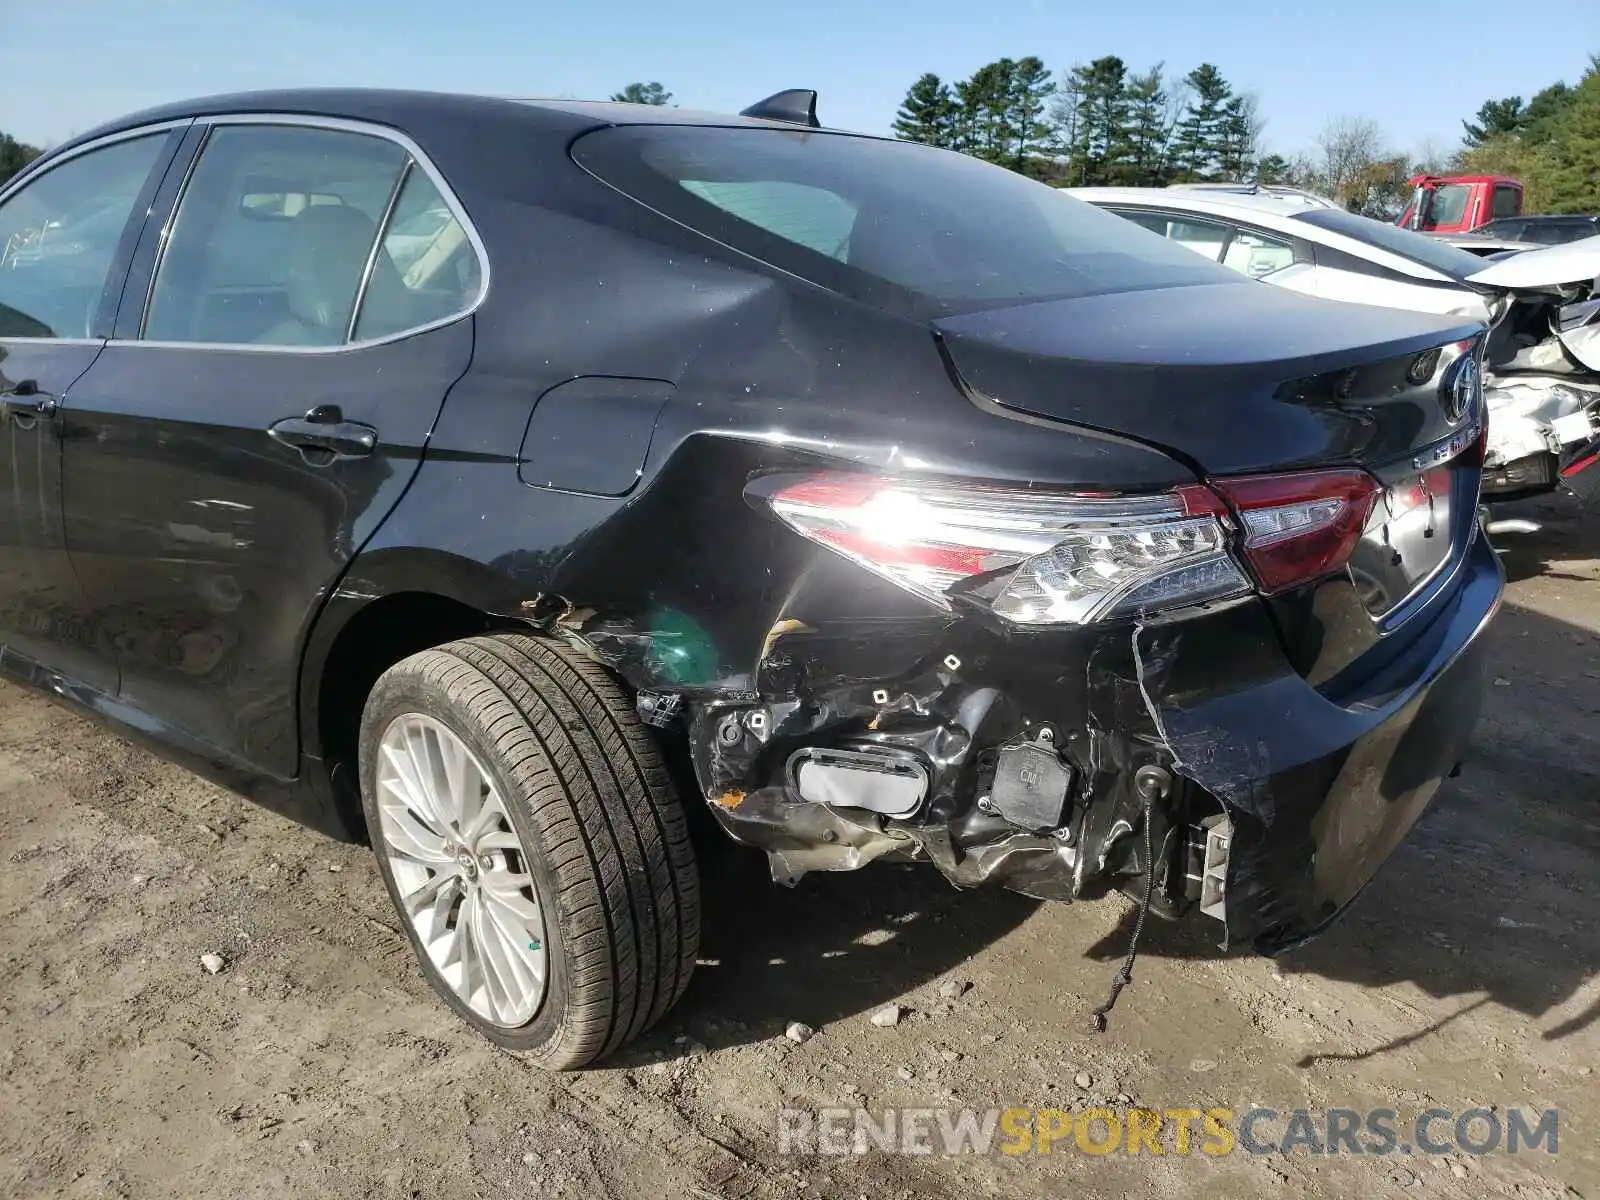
(1054, 559)
(1035, 558)
(1301, 525)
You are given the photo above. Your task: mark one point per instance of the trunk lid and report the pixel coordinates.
(1232, 378)
(1245, 379)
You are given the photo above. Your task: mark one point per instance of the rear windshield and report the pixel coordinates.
(1407, 243)
(923, 231)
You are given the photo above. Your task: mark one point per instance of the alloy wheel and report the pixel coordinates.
(461, 871)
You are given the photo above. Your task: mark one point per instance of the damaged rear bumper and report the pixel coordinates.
(1321, 784)
(1030, 761)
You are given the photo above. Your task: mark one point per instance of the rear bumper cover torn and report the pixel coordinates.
(1011, 760)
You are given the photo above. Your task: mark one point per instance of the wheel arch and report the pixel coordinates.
(390, 604)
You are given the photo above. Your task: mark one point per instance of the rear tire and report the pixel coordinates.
(599, 835)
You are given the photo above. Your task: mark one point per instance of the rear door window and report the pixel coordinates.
(426, 270)
(272, 237)
(902, 226)
(294, 236)
(1506, 201)
(1555, 233)
(1257, 254)
(1206, 238)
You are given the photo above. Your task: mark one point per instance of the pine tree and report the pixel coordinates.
(1273, 168)
(928, 113)
(988, 116)
(1544, 112)
(1103, 119)
(1199, 143)
(14, 155)
(1236, 143)
(1495, 117)
(1065, 141)
(1031, 88)
(1572, 155)
(1148, 129)
(643, 93)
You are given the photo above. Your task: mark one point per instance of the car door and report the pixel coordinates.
(67, 233)
(264, 403)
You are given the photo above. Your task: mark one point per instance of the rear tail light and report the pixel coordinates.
(1054, 559)
(1301, 525)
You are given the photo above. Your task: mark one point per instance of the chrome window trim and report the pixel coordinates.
(54, 160)
(376, 249)
(165, 233)
(41, 341)
(338, 124)
(15, 185)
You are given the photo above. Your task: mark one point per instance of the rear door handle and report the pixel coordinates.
(323, 431)
(25, 400)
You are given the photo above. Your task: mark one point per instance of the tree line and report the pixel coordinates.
(14, 155)
(1098, 123)
(1551, 143)
(1102, 123)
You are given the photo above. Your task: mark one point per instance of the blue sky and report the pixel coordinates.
(1415, 68)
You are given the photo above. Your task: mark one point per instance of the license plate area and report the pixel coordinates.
(1420, 525)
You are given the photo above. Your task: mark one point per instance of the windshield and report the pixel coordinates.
(1449, 204)
(1407, 243)
(922, 231)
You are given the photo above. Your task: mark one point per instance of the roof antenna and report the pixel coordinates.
(797, 106)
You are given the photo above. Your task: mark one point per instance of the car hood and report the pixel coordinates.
(1554, 266)
(1231, 377)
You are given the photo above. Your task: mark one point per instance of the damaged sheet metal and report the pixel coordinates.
(1539, 415)
(1318, 786)
(933, 716)
(1542, 387)
(975, 751)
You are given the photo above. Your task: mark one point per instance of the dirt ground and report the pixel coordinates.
(318, 1063)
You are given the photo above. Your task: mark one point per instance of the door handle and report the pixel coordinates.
(323, 435)
(24, 400)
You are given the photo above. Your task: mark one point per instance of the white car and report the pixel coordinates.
(1542, 381)
(1308, 245)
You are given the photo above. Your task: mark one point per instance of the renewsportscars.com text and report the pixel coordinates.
(1210, 1131)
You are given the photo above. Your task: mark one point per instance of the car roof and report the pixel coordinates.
(401, 108)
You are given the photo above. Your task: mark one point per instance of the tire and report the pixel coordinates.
(597, 828)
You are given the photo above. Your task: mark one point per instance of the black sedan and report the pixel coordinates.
(1555, 230)
(495, 479)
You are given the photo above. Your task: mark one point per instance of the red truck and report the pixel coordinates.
(1460, 203)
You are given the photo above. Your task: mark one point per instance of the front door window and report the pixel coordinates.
(59, 234)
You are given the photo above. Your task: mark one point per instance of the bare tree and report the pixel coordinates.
(1255, 124)
(1432, 157)
(1063, 112)
(1350, 146)
(1302, 172)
